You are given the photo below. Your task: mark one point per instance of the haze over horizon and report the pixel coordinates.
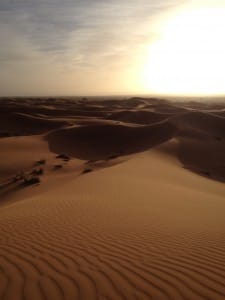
(115, 47)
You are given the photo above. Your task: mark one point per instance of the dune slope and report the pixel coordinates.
(156, 235)
(130, 202)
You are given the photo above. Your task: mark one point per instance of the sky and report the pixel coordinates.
(93, 47)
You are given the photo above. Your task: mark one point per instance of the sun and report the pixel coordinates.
(189, 56)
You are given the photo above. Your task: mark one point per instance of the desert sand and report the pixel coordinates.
(112, 199)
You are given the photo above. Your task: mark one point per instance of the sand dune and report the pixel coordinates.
(200, 121)
(24, 124)
(147, 238)
(129, 205)
(101, 141)
(138, 117)
(199, 156)
(20, 153)
(202, 143)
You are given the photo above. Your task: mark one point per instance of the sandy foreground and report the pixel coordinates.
(133, 207)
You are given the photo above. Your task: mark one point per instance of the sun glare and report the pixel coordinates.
(189, 57)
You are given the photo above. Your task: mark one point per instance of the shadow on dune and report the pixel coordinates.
(204, 157)
(8, 189)
(23, 124)
(205, 123)
(201, 147)
(101, 141)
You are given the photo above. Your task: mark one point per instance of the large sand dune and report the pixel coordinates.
(101, 141)
(132, 208)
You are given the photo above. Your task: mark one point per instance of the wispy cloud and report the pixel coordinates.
(76, 33)
(54, 26)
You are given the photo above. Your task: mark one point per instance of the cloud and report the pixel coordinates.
(54, 37)
(54, 26)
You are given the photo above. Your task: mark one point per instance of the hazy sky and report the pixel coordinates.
(72, 47)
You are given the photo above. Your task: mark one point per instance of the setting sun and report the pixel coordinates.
(188, 58)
